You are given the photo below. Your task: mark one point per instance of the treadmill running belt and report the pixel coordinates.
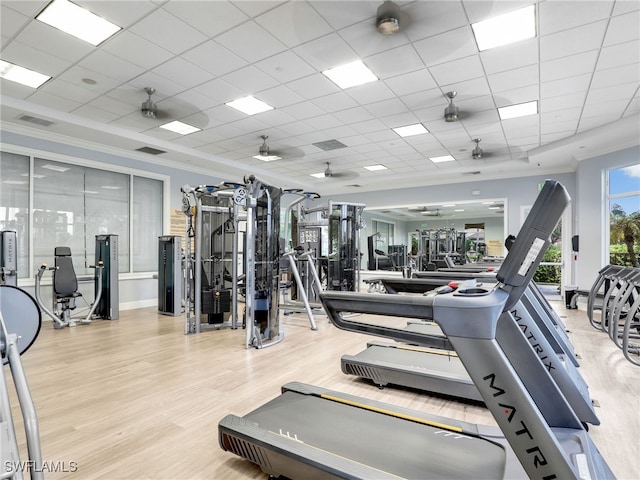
(393, 445)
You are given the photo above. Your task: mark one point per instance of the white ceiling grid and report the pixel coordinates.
(583, 67)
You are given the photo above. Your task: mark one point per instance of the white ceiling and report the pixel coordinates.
(583, 67)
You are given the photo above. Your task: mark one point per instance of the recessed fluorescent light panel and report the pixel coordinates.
(409, 130)
(505, 29)
(518, 110)
(249, 105)
(22, 75)
(373, 168)
(494, 208)
(267, 158)
(317, 175)
(179, 127)
(77, 21)
(55, 168)
(350, 75)
(443, 158)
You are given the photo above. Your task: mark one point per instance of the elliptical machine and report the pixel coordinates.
(65, 290)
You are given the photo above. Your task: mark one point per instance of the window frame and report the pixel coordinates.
(33, 153)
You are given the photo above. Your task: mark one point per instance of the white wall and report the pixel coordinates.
(592, 214)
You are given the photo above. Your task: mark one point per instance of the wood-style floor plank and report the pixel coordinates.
(137, 399)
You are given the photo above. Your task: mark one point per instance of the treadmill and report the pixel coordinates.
(309, 432)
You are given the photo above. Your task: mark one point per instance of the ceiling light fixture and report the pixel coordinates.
(149, 108)
(505, 29)
(518, 110)
(441, 159)
(409, 130)
(451, 112)
(387, 18)
(22, 75)
(317, 175)
(180, 127)
(77, 21)
(373, 168)
(350, 75)
(249, 105)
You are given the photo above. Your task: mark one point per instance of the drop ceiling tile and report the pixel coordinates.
(568, 66)
(426, 99)
(368, 126)
(431, 114)
(257, 7)
(303, 110)
(280, 96)
(313, 86)
(30, 9)
(616, 76)
(572, 41)
(447, 46)
(223, 115)
(220, 91)
(340, 14)
(394, 62)
(457, 70)
(622, 7)
(11, 21)
(137, 50)
(370, 92)
(210, 18)
(168, 32)
(618, 55)
(565, 86)
(294, 23)
(164, 86)
(365, 40)
(295, 128)
(54, 42)
(411, 82)
(250, 79)
(399, 119)
(95, 114)
(113, 105)
(517, 95)
(70, 91)
(262, 44)
(390, 106)
(326, 52)
(29, 57)
(285, 67)
(558, 15)
(111, 66)
(432, 18)
(214, 58)
(335, 102)
(511, 79)
(562, 102)
(355, 141)
(624, 91)
(123, 14)
(633, 108)
(322, 122)
(472, 118)
(623, 28)
(276, 117)
(353, 115)
(587, 123)
(509, 57)
(481, 10)
(54, 99)
(182, 72)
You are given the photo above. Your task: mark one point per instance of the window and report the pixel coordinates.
(386, 234)
(14, 204)
(74, 203)
(624, 215)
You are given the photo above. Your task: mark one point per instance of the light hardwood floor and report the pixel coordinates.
(136, 399)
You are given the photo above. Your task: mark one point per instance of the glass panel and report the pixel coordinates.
(14, 204)
(147, 223)
(624, 233)
(624, 180)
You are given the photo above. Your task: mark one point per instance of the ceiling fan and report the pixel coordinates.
(345, 174)
(149, 109)
(477, 153)
(264, 152)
